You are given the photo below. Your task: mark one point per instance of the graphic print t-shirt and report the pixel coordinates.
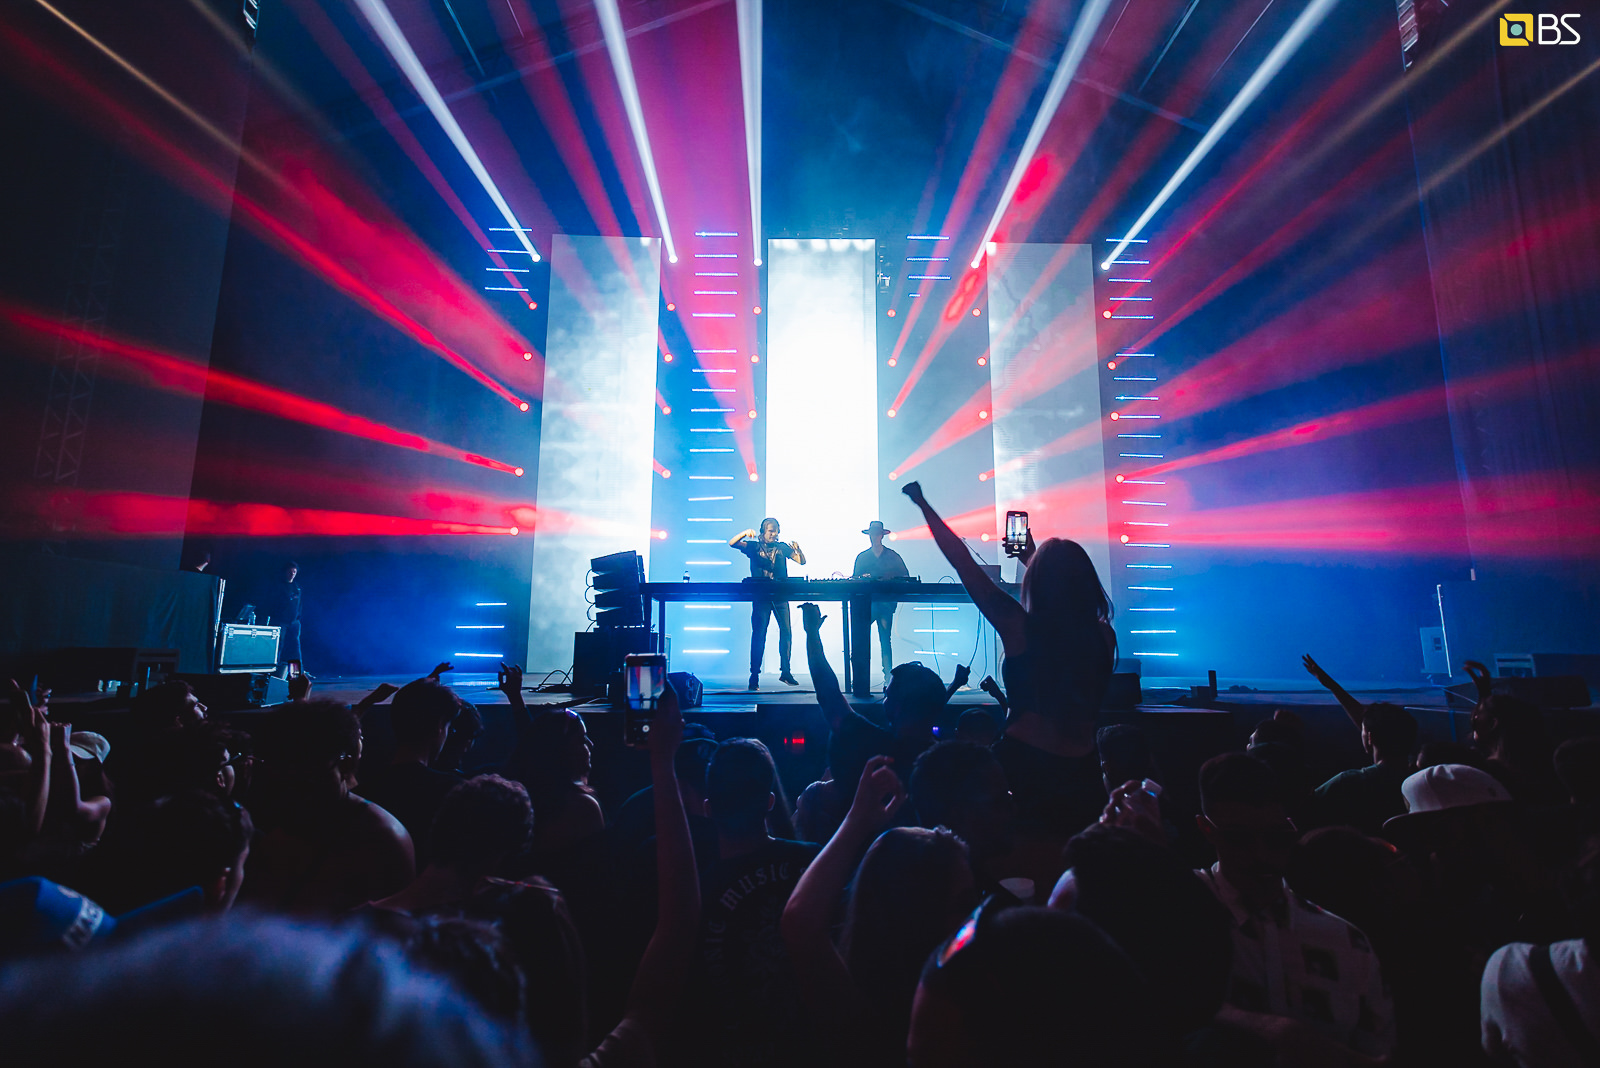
(751, 1009)
(766, 561)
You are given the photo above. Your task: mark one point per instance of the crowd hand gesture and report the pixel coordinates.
(1134, 808)
(510, 682)
(1316, 670)
(382, 692)
(879, 796)
(1480, 677)
(811, 618)
(300, 687)
(962, 674)
(32, 725)
(914, 491)
(440, 669)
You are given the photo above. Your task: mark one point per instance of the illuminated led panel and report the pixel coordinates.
(597, 427)
(1044, 373)
(822, 403)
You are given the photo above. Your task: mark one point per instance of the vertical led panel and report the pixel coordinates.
(822, 400)
(596, 430)
(1044, 376)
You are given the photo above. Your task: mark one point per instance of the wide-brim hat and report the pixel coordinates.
(1442, 788)
(876, 527)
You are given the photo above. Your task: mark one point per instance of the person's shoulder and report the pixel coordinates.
(373, 819)
(1342, 781)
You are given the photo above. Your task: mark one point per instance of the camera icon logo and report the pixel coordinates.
(1516, 30)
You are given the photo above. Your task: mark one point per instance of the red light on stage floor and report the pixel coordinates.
(672, 307)
(1124, 539)
(522, 406)
(890, 313)
(891, 413)
(983, 414)
(527, 355)
(1115, 417)
(983, 361)
(752, 413)
(517, 472)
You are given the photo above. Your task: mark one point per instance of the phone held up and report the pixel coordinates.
(1016, 538)
(647, 678)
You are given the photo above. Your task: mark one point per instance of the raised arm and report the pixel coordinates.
(826, 684)
(1353, 708)
(659, 980)
(825, 981)
(734, 541)
(959, 679)
(35, 732)
(1004, 614)
(795, 554)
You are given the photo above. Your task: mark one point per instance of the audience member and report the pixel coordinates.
(962, 786)
(1509, 733)
(909, 892)
(1031, 986)
(978, 726)
(553, 759)
(255, 991)
(192, 838)
(1279, 742)
(324, 849)
(409, 787)
(1060, 650)
(1541, 1003)
(1365, 797)
(746, 1011)
(1292, 961)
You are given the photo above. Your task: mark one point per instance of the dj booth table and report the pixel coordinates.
(856, 595)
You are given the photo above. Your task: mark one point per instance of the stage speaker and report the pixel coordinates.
(597, 657)
(618, 601)
(690, 690)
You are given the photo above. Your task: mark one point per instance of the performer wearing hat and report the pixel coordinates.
(880, 562)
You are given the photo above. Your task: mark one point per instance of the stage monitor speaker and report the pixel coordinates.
(617, 598)
(690, 690)
(597, 657)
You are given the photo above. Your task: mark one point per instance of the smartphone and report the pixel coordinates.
(1016, 538)
(647, 678)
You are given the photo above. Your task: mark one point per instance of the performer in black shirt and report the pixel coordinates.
(769, 559)
(881, 562)
(282, 604)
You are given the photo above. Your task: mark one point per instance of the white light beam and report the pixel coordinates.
(1077, 46)
(388, 31)
(1303, 26)
(749, 13)
(622, 66)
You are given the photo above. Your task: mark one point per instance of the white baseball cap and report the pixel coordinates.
(1447, 786)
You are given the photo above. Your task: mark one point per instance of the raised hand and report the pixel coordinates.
(1135, 808)
(510, 681)
(300, 687)
(811, 618)
(913, 490)
(962, 674)
(879, 796)
(440, 669)
(1315, 670)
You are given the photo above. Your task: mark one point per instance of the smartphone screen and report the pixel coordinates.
(646, 677)
(1016, 538)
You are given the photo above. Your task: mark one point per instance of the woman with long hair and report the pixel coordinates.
(1059, 654)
